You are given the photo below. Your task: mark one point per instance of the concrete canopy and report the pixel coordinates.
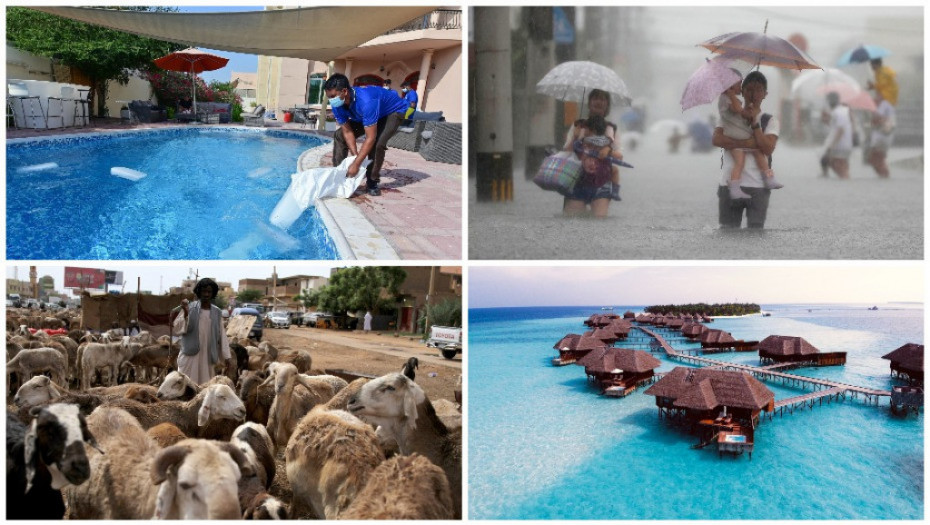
(313, 33)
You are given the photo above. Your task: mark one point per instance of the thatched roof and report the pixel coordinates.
(706, 389)
(659, 320)
(620, 327)
(605, 334)
(693, 329)
(592, 357)
(909, 356)
(587, 342)
(716, 336)
(569, 342)
(785, 345)
(674, 323)
(635, 361)
(628, 315)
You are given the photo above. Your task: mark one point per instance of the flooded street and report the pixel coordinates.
(669, 211)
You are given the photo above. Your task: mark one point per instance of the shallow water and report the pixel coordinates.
(544, 445)
(207, 195)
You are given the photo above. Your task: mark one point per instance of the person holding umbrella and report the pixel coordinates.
(364, 110)
(882, 134)
(885, 83)
(765, 130)
(590, 191)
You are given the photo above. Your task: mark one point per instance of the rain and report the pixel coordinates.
(669, 206)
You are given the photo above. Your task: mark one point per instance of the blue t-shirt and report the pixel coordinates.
(370, 104)
(411, 96)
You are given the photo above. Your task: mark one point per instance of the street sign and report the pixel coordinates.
(563, 32)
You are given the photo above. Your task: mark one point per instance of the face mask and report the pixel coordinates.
(405, 90)
(336, 102)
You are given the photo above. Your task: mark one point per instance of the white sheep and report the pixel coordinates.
(36, 391)
(177, 385)
(328, 460)
(137, 479)
(32, 361)
(212, 414)
(105, 355)
(403, 412)
(403, 488)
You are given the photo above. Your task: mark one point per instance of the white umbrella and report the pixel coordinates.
(573, 81)
(809, 84)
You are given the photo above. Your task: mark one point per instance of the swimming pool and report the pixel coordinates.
(207, 194)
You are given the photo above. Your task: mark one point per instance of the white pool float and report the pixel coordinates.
(127, 173)
(38, 167)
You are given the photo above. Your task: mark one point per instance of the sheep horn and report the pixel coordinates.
(165, 459)
(245, 468)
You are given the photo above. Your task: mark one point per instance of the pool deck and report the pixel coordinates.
(417, 217)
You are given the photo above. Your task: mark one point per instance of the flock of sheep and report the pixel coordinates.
(100, 429)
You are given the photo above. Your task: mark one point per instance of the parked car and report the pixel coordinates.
(257, 328)
(448, 339)
(311, 318)
(278, 319)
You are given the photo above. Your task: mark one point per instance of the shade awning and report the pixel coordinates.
(313, 33)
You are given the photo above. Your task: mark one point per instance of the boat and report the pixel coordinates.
(874, 308)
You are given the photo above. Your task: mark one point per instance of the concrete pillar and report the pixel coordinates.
(425, 64)
(494, 121)
(540, 58)
(348, 71)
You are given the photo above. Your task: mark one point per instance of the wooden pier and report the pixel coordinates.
(827, 389)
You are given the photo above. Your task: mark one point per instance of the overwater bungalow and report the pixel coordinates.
(723, 407)
(788, 349)
(644, 318)
(693, 330)
(659, 320)
(598, 320)
(621, 327)
(674, 324)
(604, 333)
(619, 371)
(573, 347)
(718, 340)
(629, 315)
(907, 362)
(906, 399)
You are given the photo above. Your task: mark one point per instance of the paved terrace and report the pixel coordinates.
(419, 213)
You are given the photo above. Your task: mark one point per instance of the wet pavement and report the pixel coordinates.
(669, 211)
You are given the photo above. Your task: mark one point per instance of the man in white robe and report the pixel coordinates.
(203, 337)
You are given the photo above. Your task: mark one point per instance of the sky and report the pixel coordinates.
(159, 278)
(593, 285)
(238, 62)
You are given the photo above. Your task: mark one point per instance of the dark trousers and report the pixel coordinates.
(387, 127)
(731, 212)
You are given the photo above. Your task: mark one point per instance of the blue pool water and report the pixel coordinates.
(544, 445)
(207, 195)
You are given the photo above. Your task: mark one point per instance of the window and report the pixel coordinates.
(315, 89)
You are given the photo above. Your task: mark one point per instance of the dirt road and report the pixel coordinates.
(372, 354)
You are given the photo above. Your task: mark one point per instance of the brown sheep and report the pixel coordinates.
(291, 403)
(328, 460)
(299, 358)
(256, 396)
(136, 479)
(403, 488)
(166, 434)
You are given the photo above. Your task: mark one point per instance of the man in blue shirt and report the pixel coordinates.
(369, 110)
(410, 95)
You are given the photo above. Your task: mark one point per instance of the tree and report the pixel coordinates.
(308, 297)
(248, 296)
(100, 53)
(370, 288)
(446, 313)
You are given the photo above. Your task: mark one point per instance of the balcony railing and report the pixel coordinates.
(438, 19)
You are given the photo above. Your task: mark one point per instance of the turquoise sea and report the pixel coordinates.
(544, 445)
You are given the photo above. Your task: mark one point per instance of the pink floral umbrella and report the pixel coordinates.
(710, 80)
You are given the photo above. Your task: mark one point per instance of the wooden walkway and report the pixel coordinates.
(830, 388)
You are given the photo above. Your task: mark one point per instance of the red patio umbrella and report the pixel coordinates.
(193, 60)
